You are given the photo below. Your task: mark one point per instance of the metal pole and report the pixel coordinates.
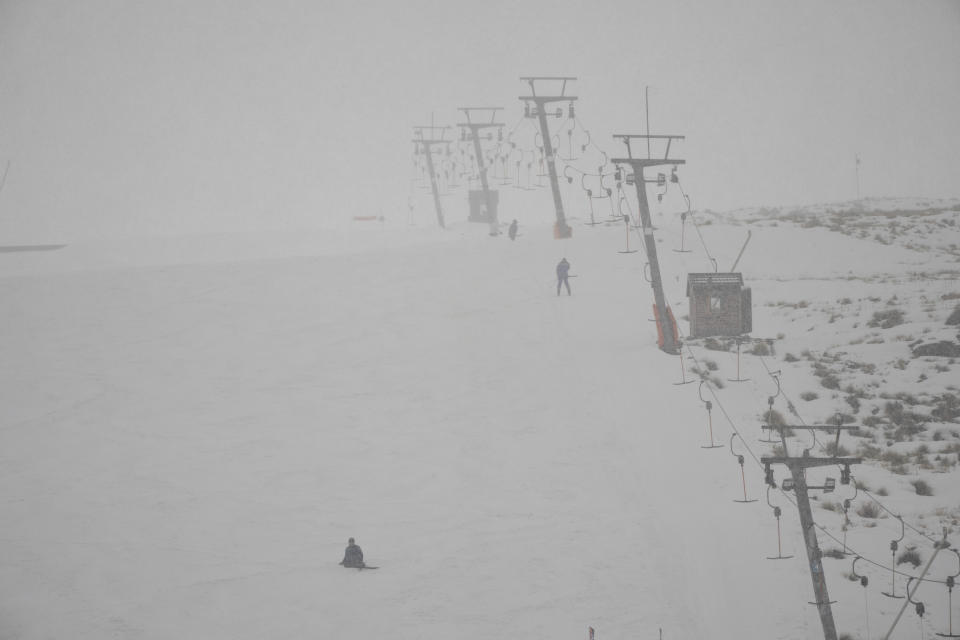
(646, 109)
(563, 229)
(433, 183)
(663, 317)
(813, 553)
(491, 211)
(857, 169)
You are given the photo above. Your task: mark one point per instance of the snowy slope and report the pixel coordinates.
(190, 436)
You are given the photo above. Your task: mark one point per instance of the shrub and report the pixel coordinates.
(790, 358)
(854, 403)
(954, 318)
(830, 381)
(715, 345)
(943, 349)
(809, 395)
(922, 488)
(911, 556)
(833, 450)
(868, 510)
(947, 408)
(866, 450)
(886, 319)
(760, 349)
(882, 492)
(843, 418)
(774, 418)
(834, 553)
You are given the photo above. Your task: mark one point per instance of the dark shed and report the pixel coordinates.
(719, 305)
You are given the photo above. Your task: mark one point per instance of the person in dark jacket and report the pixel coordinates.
(563, 271)
(512, 231)
(353, 556)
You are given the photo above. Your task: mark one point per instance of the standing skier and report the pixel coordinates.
(353, 556)
(563, 271)
(512, 231)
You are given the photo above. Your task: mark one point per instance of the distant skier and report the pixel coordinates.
(512, 231)
(563, 271)
(353, 556)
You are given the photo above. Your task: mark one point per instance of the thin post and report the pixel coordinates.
(646, 110)
(857, 170)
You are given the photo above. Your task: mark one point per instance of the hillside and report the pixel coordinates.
(194, 426)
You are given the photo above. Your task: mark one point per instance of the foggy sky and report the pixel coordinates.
(185, 115)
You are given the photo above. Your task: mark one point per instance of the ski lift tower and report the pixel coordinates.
(539, 111)
(424, 138)
(797, 482)
(664, 316)
(475, 127)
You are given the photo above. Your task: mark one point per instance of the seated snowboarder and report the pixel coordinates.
(353, 556)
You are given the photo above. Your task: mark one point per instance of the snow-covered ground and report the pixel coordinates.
(193, 427)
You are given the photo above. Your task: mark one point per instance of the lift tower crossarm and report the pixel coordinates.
(626, 138)
(475, 128)
(426, 142)
(638, 165)
(563, 230)
(563, 87)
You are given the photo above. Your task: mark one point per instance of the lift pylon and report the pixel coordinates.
(539, 111)
(664, 317)
(798, 483)
(475, 127)
(426, 137)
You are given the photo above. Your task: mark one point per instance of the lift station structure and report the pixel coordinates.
(539, 111)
